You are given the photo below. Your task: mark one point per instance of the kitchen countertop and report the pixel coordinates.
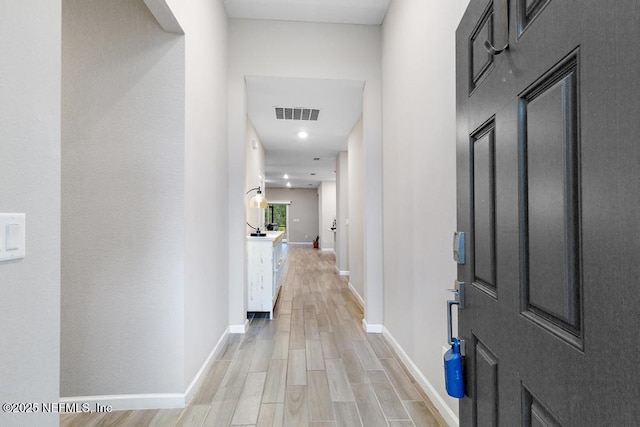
(272, 236)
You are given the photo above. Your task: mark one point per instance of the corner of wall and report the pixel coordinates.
(207, 289)
(30, 175)
(443, 407)
(420, 159)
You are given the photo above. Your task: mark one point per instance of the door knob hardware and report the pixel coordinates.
(450, 340)
(458, 293)
(450, 303)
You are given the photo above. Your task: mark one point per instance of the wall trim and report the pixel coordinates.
(164, 15)
(357, 295)
(342, 272)
(239, 329)
(125, 402)
(328, 250)
(371, 329)
(193, 388)
(300, 243)
(447, 413)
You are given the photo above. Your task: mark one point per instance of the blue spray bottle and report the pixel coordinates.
(454, 379)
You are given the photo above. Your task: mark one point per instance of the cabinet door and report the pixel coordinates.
(260, 276)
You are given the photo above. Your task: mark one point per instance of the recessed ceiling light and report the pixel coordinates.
(288, 184)
(302, 134)
(286, 176)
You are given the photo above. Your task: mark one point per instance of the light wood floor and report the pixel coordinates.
(312, 365)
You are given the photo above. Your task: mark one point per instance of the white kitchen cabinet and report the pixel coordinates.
(265, 266)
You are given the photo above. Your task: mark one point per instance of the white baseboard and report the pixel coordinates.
(126, 402)
(239, 329)
(342, 272)
(447, 413)
(371, 329)
(197, 380)
(357, 295)
(328, 250)
(300, 243)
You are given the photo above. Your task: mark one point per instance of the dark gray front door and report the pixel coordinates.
(548, 151)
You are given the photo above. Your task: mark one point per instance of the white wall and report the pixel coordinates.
(420, 180)
(145, 267)
(30, 183)
(254, 170)
(342, 213)
(324, 51)
(303, 212)
(356, 182)
(206, 179)
(327, 213)
(122, 201)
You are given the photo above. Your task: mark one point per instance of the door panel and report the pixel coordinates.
(534, 413)
(527, 11)
(548, 192)
(550, 201)
(485, 405)
(482, 146)
(481, 63)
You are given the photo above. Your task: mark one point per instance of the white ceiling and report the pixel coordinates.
(340, 101)
(370, 12)
(340, 105)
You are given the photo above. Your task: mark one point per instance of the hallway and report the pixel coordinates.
(312, 365)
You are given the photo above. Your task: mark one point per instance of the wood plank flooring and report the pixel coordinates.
(312, 365)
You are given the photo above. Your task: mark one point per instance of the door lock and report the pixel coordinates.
(459, 247)
(459, 301)
(458, 293)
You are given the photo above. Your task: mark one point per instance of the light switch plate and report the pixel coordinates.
(12, 236)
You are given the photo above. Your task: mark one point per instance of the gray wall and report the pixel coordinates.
(356, 184)
(326, 213)
(30, 183)
(206, 296)
(342, 212)
(304, 207)
(123, 206)
(254, 171)
(420, 181)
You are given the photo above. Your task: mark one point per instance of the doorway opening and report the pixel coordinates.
(276, 218)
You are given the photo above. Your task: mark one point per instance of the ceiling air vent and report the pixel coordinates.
(286, 113)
